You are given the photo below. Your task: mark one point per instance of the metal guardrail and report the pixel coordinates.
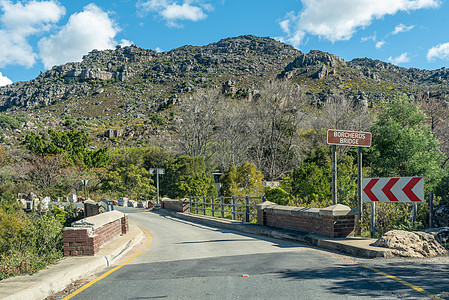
(235, 208)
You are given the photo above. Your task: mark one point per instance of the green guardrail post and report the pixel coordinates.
(246, 209)
(233, 207)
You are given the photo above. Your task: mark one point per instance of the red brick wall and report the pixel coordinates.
(176, 205)
(84, 241)
(125, 225)
(313, 222)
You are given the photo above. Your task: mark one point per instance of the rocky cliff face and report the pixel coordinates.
(145, 77)
(131, 80)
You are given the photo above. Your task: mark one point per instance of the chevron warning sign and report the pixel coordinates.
(393, 189)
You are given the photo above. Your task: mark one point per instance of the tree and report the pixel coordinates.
(339, 112)
(403, 144)
(130, 181)
(243, 180)
(199, 118)
(186, 176)
(47, 170)
(232, 135)
(437, 112)
(73, 143)
(311, 182)
(275, 121)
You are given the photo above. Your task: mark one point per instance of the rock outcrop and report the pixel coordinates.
(442, 216)
(441, 234)
(411, 244)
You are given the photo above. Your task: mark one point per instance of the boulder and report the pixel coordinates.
(411, 244)
(441, 234)
(442, 216)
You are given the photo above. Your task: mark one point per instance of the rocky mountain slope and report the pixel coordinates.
(131, 79)
(125, 89)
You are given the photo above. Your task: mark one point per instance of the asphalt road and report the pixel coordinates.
(190, 261)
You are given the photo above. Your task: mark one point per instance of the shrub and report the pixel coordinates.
(28, 242)
(278, 195)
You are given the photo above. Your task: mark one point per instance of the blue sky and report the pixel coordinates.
(35, 35)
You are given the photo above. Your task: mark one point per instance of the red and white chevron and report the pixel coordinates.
(393, 189)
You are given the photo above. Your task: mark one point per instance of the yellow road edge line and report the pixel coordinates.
(110, 271)
(416, 288)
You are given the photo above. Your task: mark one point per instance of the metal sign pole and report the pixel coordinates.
(359, 189)
(415, 208)
(334, 174)
(373, 219)
(431, 210)
(157, 185)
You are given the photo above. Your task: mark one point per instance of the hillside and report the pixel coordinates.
(134, 90)
(134, 80)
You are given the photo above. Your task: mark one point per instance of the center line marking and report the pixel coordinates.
(416, 288)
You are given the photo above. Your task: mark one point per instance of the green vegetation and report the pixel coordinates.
(74, 144)
(243, 180)
(29, 241)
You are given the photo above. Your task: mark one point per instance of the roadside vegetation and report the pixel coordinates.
(30, 241)
(278, 136)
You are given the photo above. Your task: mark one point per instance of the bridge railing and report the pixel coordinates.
(234, 208)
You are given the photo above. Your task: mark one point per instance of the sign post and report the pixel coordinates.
(334, 174)
(393, 190)
(158, 172)
(85, 181)
(348, 138)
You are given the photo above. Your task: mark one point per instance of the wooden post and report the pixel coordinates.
(222, 206)
(334, 174)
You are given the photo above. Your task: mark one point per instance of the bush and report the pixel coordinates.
(28, 242)
(278, 195)
(243, 180)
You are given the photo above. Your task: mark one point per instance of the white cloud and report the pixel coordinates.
(380, 44)
(125, 43)
(4, 80)
(339, 20)
(158, 50)
(403, 58)
(173, 12)
(19, 22)
(369, 38)
(402, 28)
(87, 30)
(440, 51)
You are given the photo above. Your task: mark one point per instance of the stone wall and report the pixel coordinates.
(332, 221)
(181, 205)
(86, 236)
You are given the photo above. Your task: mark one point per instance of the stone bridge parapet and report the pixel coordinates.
(87, 235)
(333, 221)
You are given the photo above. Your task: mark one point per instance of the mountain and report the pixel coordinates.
(134, 80)
(130, 89)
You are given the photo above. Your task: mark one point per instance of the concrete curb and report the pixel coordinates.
(58, 276)
(360, 247)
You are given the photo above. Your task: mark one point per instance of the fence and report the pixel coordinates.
(235, 208)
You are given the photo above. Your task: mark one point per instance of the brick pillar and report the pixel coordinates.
(338, 220)
(261, 217)
(125, 224)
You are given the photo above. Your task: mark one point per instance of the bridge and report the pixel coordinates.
(178, 258)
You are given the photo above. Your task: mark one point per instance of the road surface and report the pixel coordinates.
(190, 261)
